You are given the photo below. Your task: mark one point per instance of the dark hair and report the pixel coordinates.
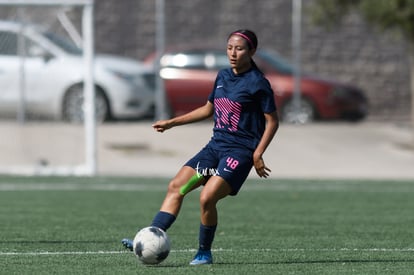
(247, 35)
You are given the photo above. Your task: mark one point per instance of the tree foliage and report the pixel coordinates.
(387, 14)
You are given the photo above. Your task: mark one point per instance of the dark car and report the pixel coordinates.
(189, 77)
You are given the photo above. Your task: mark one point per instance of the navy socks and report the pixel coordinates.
(163, 220)
(206, 236)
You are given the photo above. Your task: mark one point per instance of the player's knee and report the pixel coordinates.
(174, 187)
(207, 201)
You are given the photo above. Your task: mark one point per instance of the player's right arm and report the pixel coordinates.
(198, 114)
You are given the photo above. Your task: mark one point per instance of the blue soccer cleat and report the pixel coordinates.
(127, 243)
(202, 257)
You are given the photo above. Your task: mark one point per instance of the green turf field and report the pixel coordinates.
(67, 225)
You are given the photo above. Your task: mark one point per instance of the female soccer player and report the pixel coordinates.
(245, 121)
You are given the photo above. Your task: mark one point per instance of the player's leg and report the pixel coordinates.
(172, 202)
(232, 171)
(215, 189)
(174, 198)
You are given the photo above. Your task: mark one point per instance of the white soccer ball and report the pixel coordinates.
(151, 245)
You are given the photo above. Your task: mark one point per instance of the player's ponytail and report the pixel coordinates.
(254, 65)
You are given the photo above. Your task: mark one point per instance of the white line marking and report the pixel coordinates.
(248, 186)
(80, 186)
(39, 253)
(52, 253)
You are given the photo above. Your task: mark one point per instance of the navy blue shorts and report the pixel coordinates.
(232, 165)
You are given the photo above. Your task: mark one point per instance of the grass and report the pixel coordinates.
(68, 225)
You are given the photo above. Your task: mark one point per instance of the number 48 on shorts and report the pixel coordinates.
(232, 163)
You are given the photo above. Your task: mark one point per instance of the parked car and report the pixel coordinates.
(54, 78)
(189, 76)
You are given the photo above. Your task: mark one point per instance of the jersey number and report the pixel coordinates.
(232, 163)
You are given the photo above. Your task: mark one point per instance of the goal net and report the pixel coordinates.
(47, 92)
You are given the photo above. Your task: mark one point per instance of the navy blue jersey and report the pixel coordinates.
(240, 102)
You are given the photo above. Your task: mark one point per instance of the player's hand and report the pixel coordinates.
(261, 169)
(162, 125)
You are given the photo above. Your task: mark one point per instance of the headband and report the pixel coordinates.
(246, 38)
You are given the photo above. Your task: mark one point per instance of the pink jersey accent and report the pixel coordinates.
(228, 113)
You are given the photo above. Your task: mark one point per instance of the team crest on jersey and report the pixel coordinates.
(227, 113)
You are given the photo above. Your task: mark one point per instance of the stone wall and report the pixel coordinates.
(353, 52)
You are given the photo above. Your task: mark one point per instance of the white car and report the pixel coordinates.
(54, 75)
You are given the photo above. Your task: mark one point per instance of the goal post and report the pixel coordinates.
(86, 165)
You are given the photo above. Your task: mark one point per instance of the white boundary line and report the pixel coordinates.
(100, 252)
(79, 187)
(248, 186)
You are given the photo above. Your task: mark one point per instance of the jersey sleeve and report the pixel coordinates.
(267, 97)
(211, 96)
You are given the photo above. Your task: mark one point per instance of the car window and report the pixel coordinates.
(10, 42)
(221, 61)
(8, 45)
(196, 60)
(65, 44)
(275, 61)
(184, 60)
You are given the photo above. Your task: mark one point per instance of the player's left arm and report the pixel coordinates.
(272, 124)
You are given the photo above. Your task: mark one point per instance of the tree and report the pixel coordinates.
(388, 15)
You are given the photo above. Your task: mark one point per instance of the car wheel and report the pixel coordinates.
(306, 112)
(73, 105)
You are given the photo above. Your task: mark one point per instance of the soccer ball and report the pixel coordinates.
(151, 245)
